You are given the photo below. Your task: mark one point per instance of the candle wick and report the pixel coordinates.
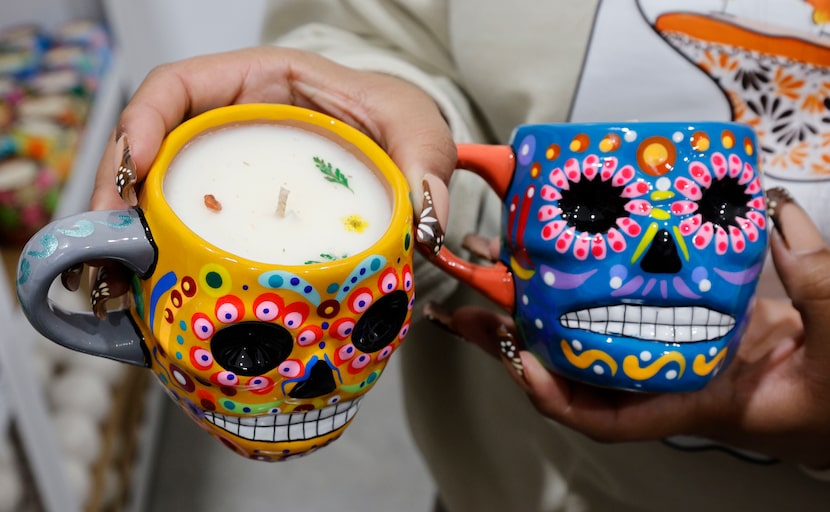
(283, 202)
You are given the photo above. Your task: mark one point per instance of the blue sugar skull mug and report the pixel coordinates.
(630, 252)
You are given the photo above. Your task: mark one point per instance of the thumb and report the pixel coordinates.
(802, 260)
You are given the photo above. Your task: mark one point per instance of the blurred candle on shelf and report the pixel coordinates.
(274, 193)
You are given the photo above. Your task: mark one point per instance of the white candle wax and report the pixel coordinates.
(225, 185)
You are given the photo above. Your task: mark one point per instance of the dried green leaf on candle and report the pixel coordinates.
(326, 257)
(333, 175)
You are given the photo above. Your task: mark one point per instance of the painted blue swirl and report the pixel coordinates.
(49, 243)
(366, 268)
(280, 279)
(81, 229)
(24, 271)
(124, 221)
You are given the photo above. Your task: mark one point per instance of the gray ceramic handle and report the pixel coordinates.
(120, 235)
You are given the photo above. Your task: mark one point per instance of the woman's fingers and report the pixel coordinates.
(404, 120)
(484, 248)
(802, 260)
(602, 414)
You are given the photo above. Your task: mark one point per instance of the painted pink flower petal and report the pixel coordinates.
(590, 166)
(721, 240)
(563, 243)
(549, 193)
(703, 236)
(747, 175)
(637, 189)
(582, 246)
(572, 170)
(758, 203)
(690, 225)
(609, 167)
(719, 165)
(755, 186)
(749, 229)
(629, 226)
(623, 176)
(736, 239)
(683, 207)
(758, 219)
(688, 188)
(700, 173)
(558, 178)
(638, 207)
(549, 212)
(736, 165)
(616, 241)
(598, 247)
(553, 229)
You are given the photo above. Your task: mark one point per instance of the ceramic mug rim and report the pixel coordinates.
(339, 132)
(635, 122)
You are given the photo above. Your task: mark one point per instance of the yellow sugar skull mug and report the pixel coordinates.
(272, 257)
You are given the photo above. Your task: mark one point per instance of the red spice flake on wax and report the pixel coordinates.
(212, 203)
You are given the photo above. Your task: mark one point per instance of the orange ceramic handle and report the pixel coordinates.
(495, 164)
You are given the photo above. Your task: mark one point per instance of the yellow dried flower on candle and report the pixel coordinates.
(355, 224)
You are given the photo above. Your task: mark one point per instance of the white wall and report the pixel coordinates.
(150, 32)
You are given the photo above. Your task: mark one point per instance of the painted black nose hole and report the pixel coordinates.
(251, 348)
(320, 382)
(662, 257)
(381, 323)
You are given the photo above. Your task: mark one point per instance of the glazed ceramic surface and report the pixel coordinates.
(270, 359)
(630, 252)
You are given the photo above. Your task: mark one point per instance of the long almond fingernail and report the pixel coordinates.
(100, 293)
(430, 235)
(510, 357)
(71, 277)
(777, 197)
(125, 177)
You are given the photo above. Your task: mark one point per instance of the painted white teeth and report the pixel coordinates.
(297, 426)
(679, 324)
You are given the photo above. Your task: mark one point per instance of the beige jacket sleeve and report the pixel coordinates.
(407, 39)
(404, 38)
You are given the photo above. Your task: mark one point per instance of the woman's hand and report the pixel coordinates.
(774, 398)
(400, 117)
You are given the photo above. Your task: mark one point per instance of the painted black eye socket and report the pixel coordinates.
(381, 323)
(723, 202)
(251, 348)
(592, 206)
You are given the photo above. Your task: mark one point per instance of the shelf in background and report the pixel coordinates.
(137, 414)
